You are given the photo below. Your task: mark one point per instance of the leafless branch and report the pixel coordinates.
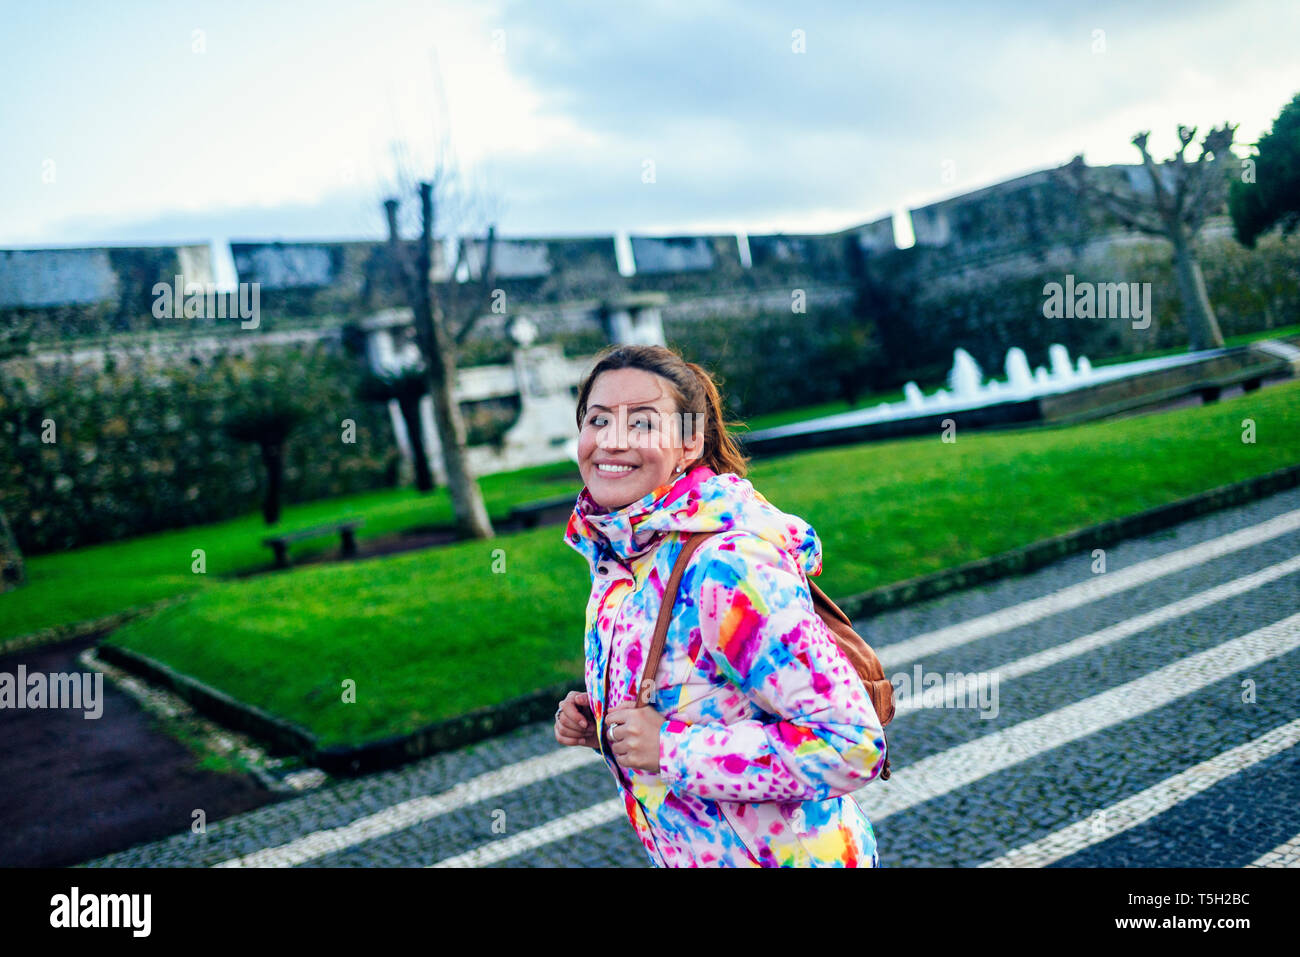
(403, 272)
(1207, 177)
(486, 284)
(1162, 199)
(1129, 209)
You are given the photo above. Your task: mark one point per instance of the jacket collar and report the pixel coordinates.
(626, 533)
(698, 500)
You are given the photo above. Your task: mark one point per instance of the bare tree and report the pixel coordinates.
(444, 313)
(1183, 195)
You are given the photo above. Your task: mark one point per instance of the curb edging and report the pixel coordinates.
(444, 735)
(59, 634)
(282, 737)
(492, 720)
(1028, 558)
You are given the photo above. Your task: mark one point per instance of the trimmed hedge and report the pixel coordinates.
(93, 452)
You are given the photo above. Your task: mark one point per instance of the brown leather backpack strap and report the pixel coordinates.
(821, 598)
(656, 651)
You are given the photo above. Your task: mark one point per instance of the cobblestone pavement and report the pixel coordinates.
(1146, 715)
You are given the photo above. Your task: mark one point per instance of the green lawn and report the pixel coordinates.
(66, 588)
(1241, 340)
(86, 584)
(89, 583)
(431, 634)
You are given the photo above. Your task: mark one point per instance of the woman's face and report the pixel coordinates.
(631, 420)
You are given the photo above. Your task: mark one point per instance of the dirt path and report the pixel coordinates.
(77, 788)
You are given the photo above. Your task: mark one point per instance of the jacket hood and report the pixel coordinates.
(699, 500)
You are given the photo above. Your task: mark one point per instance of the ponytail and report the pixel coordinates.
(721, 451)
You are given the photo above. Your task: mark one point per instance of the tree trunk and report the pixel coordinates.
(439, 358)
(466, 497)
(273, 460)
(415, 432)
(1198, 315)
(849, 389)
(12, 573)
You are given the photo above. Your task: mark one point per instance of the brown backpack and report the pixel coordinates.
(857, 651)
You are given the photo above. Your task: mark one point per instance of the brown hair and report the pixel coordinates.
(691, 387)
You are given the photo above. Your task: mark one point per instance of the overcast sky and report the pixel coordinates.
(180, 122)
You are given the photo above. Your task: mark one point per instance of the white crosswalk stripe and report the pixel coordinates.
(1076, 596)
(413, 812)
(533, 838)
(417, 810)
(1284, 855)
(961, 686)
(1148, 803)
(974, 760)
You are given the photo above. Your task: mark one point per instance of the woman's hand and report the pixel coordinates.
(574, 724)
(633, 734)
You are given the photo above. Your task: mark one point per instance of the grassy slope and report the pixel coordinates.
(89, 583)
(432, 634)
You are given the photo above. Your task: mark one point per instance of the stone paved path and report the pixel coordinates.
(1146, 716)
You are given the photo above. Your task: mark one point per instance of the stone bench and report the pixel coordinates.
(1250, 379)
(347, 530)
(528, 515)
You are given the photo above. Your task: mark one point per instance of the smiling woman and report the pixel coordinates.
(644, 413)
(726, 769)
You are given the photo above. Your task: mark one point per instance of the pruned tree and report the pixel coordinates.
(1183, 196)
(264, 410)
(443, 313)
(407, 387)
(438, 336)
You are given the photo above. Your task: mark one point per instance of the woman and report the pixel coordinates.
(758, 728)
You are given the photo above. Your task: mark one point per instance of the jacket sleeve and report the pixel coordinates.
(820, 737)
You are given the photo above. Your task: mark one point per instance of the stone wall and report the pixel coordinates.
(928, 301)
(975, 253)
(974, 278)
(550, 270)
(73, 293)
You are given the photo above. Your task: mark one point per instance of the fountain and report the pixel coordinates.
(1060, 360)
(1018, 375)
(1018, 398)
(965, 378)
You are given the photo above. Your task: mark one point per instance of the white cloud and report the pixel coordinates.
(295, 108)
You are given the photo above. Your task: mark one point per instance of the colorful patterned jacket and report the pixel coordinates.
(768, 726)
